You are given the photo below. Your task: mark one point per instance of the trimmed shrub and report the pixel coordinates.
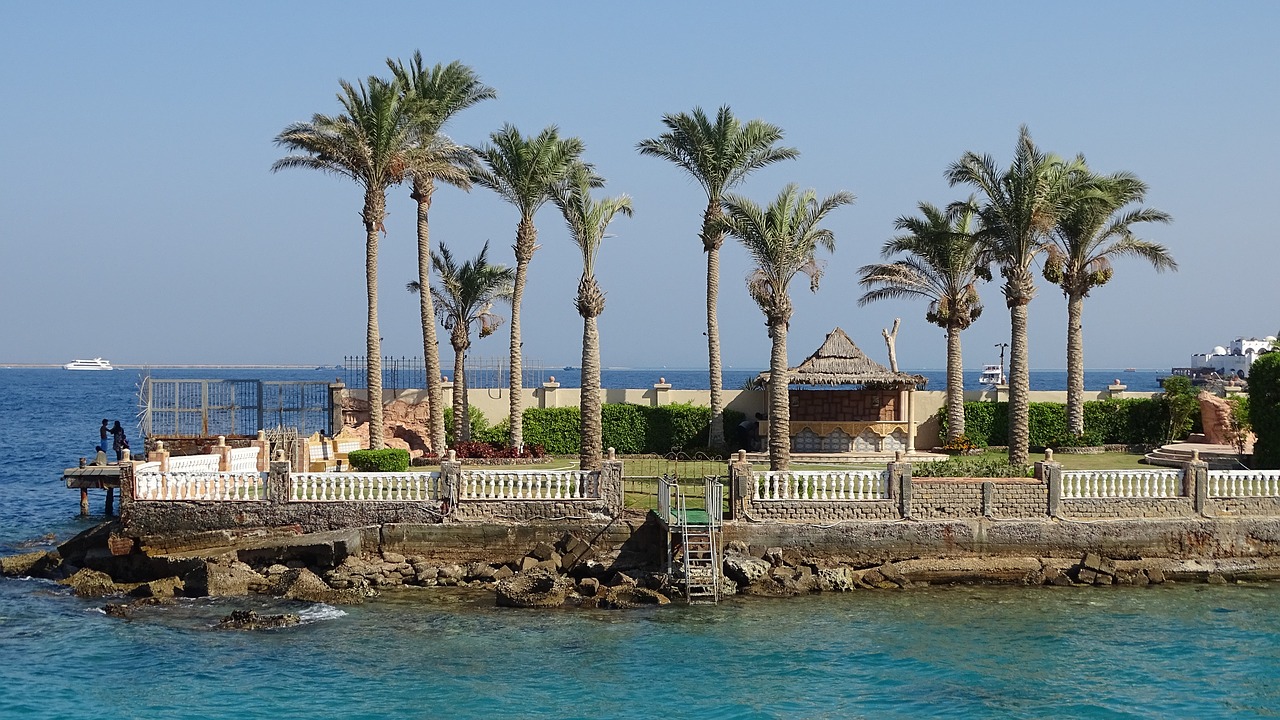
(982, 467)
(384, 460)
(1264, 410)
(1124, 421)
(628, 429)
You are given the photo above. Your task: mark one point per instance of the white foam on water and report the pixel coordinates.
(320, 612)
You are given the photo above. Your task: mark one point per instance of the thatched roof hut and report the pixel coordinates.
(840, 362)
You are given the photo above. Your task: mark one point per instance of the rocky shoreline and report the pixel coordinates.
(567, 573)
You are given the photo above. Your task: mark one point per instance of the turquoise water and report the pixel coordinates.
(1174, 651)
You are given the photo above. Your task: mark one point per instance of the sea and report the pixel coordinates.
(1170, 651)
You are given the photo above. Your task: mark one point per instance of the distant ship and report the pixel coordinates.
(94, 364)
(991, 375)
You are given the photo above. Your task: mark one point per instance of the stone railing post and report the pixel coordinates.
(550, 390)
(1116, 389)
(223, 452)
(741, 486)
(660, 390)
(264, 450)
(278, 481)
(450, 481)
(126, 491)
(1195, 483)
(611, 486)
(1050, 473)
(337, 390)
(900, 484)
(160, 455)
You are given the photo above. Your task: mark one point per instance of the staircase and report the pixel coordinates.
(1218, 457)
(696, 559)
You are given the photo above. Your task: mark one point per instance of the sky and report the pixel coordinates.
(139, 219)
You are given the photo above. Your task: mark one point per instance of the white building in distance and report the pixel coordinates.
(1234, 360)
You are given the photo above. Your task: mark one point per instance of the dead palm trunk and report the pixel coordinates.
(779, 397)
(526, 242)
(1075, 365)
(422, 192)
(374, 212)
(712, 240)
(955, 385)
(1019, 384)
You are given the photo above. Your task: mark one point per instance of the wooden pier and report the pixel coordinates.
(94, 477)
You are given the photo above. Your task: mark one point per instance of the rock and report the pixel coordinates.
(221, 577)
(542, 551)
(839, 579)
(162, 588)
(737, 546)
(535, 589)
(773, 555)
(503, 572)
(393, 558)
(250, 620)
(1155, 575)
(528, 562)
(32, 564)
(891, 573)
(630, 598)
(1086, 576)
(479, 571)
(792, 557)
(548, 565)
(872, 577)
(744, 569)
(95, 538)
(91, 583)
(622, 580)
(304, 585)
(588, 586)
(1103, 579)
(1216, 579)
(1097, 563)
(120, 610)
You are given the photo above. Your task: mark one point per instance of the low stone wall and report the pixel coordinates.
(1108, 508)
(813, 511)
(1245, 506)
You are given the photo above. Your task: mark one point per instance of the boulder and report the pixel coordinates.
(629, 598)
(744, 569)
(91, 583)
(588, 586)
(222, 576)
(535, 589)
(304, 585)
(32, 564)
(250, 620)
(162, 588)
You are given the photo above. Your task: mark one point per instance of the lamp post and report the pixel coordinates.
(1002, 347)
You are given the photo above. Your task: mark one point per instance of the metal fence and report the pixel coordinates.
(204, 408)
(409, 373)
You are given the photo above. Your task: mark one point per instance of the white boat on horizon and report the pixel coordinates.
(94, 364)
(992, 375)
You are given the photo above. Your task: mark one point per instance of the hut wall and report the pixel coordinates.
(844, 405)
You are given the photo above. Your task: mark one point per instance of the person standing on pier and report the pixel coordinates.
(119, 442)
(104, 434)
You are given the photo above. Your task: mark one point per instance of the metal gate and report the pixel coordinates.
(204, 408)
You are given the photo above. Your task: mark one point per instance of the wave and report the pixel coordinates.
(319, 613)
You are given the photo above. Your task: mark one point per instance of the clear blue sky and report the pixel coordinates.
(139, 220)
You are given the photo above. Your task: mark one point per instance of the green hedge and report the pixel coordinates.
(384, 460)
(1264, 410)
(1127, 421)
(629, 429)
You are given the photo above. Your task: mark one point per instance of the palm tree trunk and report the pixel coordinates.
(1075, 365)
(422, 192)
(1019, 385)
(526, 239)
(591, 450)
(955, 385)
(375, 204)
(712, 240)
(779, 398)
(461, 404)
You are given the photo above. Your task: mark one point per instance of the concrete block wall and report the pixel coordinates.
(1112, 508)
(823, 511)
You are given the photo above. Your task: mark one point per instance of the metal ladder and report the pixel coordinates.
(699, 549)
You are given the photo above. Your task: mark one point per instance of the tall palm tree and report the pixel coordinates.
(524, 171)
(1020, 208)
(373, 143)
(942, 265)
(587, 220)
(464, 297)
(718, 154)
(435, 95)
(1095, 227)
(783, 240)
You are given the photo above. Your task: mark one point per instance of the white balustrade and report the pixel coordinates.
(1084, 484)
(529, 485)
(822, 485)
(194, 463)
(1244, 483)
(244, 459)
(364, 486)
(216, 486)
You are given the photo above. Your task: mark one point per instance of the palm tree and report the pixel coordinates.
(1094, 228)
(524, 171)
(464, 297)
(1020, 209)
(373, 143)
(587, 220)
(942, 265)
(719, 155)
(435, 95)
(783, 240)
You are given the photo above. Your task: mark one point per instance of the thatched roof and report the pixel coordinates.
(840, 362)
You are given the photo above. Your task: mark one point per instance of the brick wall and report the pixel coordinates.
(844, 405)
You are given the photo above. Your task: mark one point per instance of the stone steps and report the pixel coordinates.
(1218, 457)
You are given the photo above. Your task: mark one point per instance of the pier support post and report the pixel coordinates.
(740, 486)
(84, 502)
(1050, 473)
